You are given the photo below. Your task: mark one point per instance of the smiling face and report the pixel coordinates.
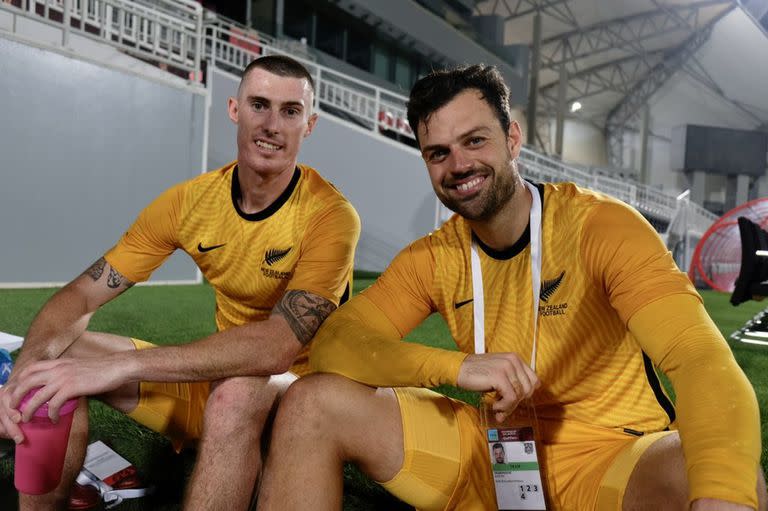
(469, 157)
(273, 115)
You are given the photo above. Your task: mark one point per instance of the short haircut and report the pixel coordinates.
(498, 445)
(279, 65)
(435, 90)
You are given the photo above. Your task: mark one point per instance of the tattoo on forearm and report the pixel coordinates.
(96, 269)
(304, 312)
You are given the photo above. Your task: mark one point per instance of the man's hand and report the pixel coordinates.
(61, 380)
(9, 416)
(505, 373)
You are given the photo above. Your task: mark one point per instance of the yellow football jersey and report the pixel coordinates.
(601, 263)
(305, 240)
(603, 267)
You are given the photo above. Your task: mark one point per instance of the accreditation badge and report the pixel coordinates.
(514, 460)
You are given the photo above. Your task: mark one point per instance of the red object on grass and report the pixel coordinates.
(717, 258)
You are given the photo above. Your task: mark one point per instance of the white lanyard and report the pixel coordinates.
(478, 305)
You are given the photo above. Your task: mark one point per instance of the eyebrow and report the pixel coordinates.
(464, 135)
(268, 101)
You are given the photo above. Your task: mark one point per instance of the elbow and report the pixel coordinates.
(319, 359)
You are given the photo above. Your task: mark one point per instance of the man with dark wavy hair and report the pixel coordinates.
(276, 243)
(548, 276)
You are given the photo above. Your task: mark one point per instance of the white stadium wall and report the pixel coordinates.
(84, 148)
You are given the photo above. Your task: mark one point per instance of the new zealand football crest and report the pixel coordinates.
(548, 289)
(271, 257)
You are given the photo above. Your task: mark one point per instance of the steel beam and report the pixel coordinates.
(642, 92)
(625, 33)
(615, 76)
(533, 89)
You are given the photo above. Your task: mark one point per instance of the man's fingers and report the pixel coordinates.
(524, 381)
(508, 397)
(12, 430)
(55, 404)
(40, 398)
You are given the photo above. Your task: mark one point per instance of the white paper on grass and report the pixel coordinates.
(103, 462)
(10, 342)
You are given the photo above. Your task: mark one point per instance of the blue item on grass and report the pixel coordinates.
(6, 366)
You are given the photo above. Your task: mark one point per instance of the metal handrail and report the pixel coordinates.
(137, 28)
(181, 33)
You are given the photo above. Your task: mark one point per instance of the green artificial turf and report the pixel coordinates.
(177, 314)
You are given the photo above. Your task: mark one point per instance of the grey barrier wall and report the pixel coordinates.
(83, 148)
(385, 180)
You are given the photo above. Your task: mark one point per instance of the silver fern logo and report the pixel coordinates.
(273, 255)
(548, 287)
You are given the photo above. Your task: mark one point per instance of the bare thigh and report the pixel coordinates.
(362, 423)
(98, 344)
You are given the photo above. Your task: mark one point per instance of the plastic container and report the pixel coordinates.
(40, 457)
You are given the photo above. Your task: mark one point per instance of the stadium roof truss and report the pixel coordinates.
(617, 54)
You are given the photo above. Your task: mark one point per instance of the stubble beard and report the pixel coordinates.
(492, 200)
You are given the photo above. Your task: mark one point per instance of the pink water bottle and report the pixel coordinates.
(40, 457)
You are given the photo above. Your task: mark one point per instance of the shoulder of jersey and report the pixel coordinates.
(454, 232)
(570, 195)
(318, 186)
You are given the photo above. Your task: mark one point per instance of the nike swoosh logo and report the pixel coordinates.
(460, 304)
(201, 248)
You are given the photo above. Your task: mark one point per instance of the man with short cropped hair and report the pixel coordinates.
(274, 240)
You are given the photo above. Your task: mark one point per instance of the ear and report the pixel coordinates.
(514, 139)
(232, 109)
(310, 124)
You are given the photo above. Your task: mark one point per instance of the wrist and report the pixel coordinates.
(128, 366)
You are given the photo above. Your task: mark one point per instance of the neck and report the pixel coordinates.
(258, 190)
(502, 230)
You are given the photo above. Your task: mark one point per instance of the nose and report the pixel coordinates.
(271, 122)
(461, 163)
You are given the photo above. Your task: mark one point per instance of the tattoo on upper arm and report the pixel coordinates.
(304, 312)
(96, 269)
(114, 279)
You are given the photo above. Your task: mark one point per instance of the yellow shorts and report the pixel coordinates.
(446, 458)
(174, 410)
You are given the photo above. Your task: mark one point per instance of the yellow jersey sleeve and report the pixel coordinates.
(151, 238)
(628, 260)
(327, 253)
(717, 412)
(361, 340)
(402, 292)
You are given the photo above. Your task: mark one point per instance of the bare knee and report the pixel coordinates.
(659, 479)
(354, 422)
(314, 402)
(243, 401)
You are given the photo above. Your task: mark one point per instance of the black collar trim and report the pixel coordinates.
(269, 210)
(519, 245)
